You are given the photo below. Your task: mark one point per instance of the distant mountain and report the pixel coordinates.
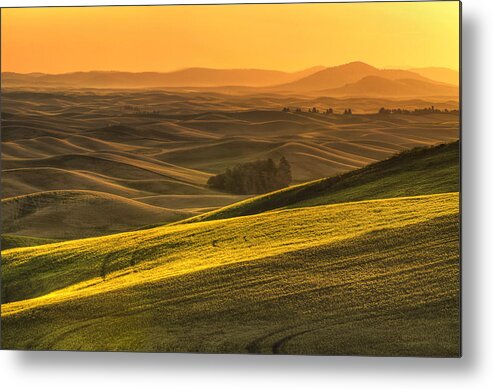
(351, 79)
(192, 77)
(339, 76)
(374, 86)
(445, 75)
(332, 77)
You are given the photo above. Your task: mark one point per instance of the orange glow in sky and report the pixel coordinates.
(282, 37)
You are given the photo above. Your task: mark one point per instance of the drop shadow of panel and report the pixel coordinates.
(470, 189)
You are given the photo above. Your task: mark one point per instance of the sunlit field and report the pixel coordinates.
(291, 273)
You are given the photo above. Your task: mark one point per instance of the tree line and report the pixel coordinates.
(257, 177)
(381, 111)
(328, 111)
(432, 109)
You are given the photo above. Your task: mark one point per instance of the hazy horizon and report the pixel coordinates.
(239, 68)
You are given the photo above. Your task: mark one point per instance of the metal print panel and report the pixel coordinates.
(267, 178)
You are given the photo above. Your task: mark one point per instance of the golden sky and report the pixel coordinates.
(282, 37)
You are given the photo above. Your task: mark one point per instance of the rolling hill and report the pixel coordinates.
(12, 241)
(369, 278)
(113, 165)
(111, 149)
(70, 214)
(410, 173)
(155, 148)
(17, 182)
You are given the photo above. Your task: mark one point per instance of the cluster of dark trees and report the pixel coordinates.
(431, 109)
(328, 111)
(253, 177)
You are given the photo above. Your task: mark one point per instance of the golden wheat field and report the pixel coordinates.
(295, 261)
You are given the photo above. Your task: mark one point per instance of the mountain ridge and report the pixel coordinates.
(188, 77)
(313, 79)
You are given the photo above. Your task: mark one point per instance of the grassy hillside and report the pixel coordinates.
(72, 214)
(416, 172)
(374, 278)
(13, 241)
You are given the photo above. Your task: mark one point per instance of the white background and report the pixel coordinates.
(473, 370)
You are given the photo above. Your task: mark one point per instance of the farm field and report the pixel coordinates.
(109, 161)
(332, 279)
